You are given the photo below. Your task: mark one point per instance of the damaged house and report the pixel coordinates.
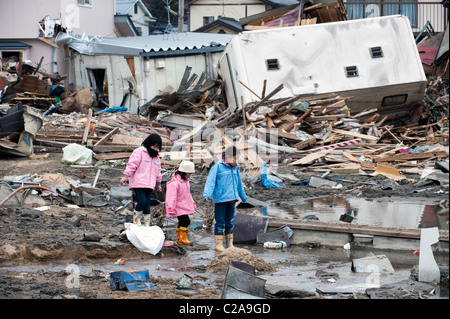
(130, 71)
(31, 26)
(375, 61)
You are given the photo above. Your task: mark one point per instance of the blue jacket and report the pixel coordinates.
(224, 184)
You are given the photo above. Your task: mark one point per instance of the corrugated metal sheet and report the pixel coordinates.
(134, 46)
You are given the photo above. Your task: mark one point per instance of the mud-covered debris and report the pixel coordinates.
(221, 262)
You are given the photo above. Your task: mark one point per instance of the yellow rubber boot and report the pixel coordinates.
(178, 235)
(183, 236)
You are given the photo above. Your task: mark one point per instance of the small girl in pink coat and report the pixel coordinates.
(144, 174)
(179, 201)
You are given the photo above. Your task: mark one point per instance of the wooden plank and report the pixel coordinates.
(105, 138)
(408, 156)
(128, 140)
(38, 156)
(308, 159)
(324, 118)
(353, 229)
(50, 143)
(358, 135)
(250, 90)
(192, 133)
(301, 118)
(113, 148)
(263, 94)
(86, 129)
(105, 157)
(351, 168)
(388, 171)
(45, 40)
(253, 157)
(268, 97)
(184, 80)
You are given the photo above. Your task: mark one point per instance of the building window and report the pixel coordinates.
(10, 56)
(394, 100)
(136, 8)
(352, 71)
(207, 20)
(86, 3)
(272, 64)
(360, 9)
(376, 52)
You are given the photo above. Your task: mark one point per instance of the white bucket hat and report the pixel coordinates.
(187, 167)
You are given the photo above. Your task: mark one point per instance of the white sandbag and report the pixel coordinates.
(147, 239)
(77, 154)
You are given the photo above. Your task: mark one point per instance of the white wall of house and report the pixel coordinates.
(139, 18)
(236, 9)
(118, 77)
(150, 78)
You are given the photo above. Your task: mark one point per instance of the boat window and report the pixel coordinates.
(272, 64)
(376, 52)
(352, 71)
(394, 100)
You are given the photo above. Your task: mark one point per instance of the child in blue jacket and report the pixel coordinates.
(224, 186)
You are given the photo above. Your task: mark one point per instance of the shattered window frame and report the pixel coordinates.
(376, 52)
(351, 71)
(272, 64)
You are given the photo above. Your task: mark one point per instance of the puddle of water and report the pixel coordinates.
(380, 212)
(297, 267)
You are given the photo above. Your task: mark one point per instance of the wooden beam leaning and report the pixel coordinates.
(265, 99)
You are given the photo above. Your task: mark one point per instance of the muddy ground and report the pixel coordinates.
(40, 249)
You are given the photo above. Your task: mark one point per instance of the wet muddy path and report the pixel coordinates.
(44, 254)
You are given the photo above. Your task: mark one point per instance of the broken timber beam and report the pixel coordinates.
(265, 99)
(107, 136)
(408, 157)
(354, 134)
(86, 129)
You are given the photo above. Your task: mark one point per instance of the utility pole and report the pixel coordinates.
(180, 15)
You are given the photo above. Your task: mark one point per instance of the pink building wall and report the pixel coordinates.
(19, 21)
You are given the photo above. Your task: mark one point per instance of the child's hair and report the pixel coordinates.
(230, 152)
(183, 175)
(152, 139)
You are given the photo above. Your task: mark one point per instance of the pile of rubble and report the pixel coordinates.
(316, 132)
(27, 95)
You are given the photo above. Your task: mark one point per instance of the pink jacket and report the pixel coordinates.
(142, 170)
(179, 200)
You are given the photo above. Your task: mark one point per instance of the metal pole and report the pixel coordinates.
(180, 16)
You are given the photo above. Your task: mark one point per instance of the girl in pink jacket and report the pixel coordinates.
(144, 173)
(179, 201)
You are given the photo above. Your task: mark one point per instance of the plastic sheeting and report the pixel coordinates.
(146, 239)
